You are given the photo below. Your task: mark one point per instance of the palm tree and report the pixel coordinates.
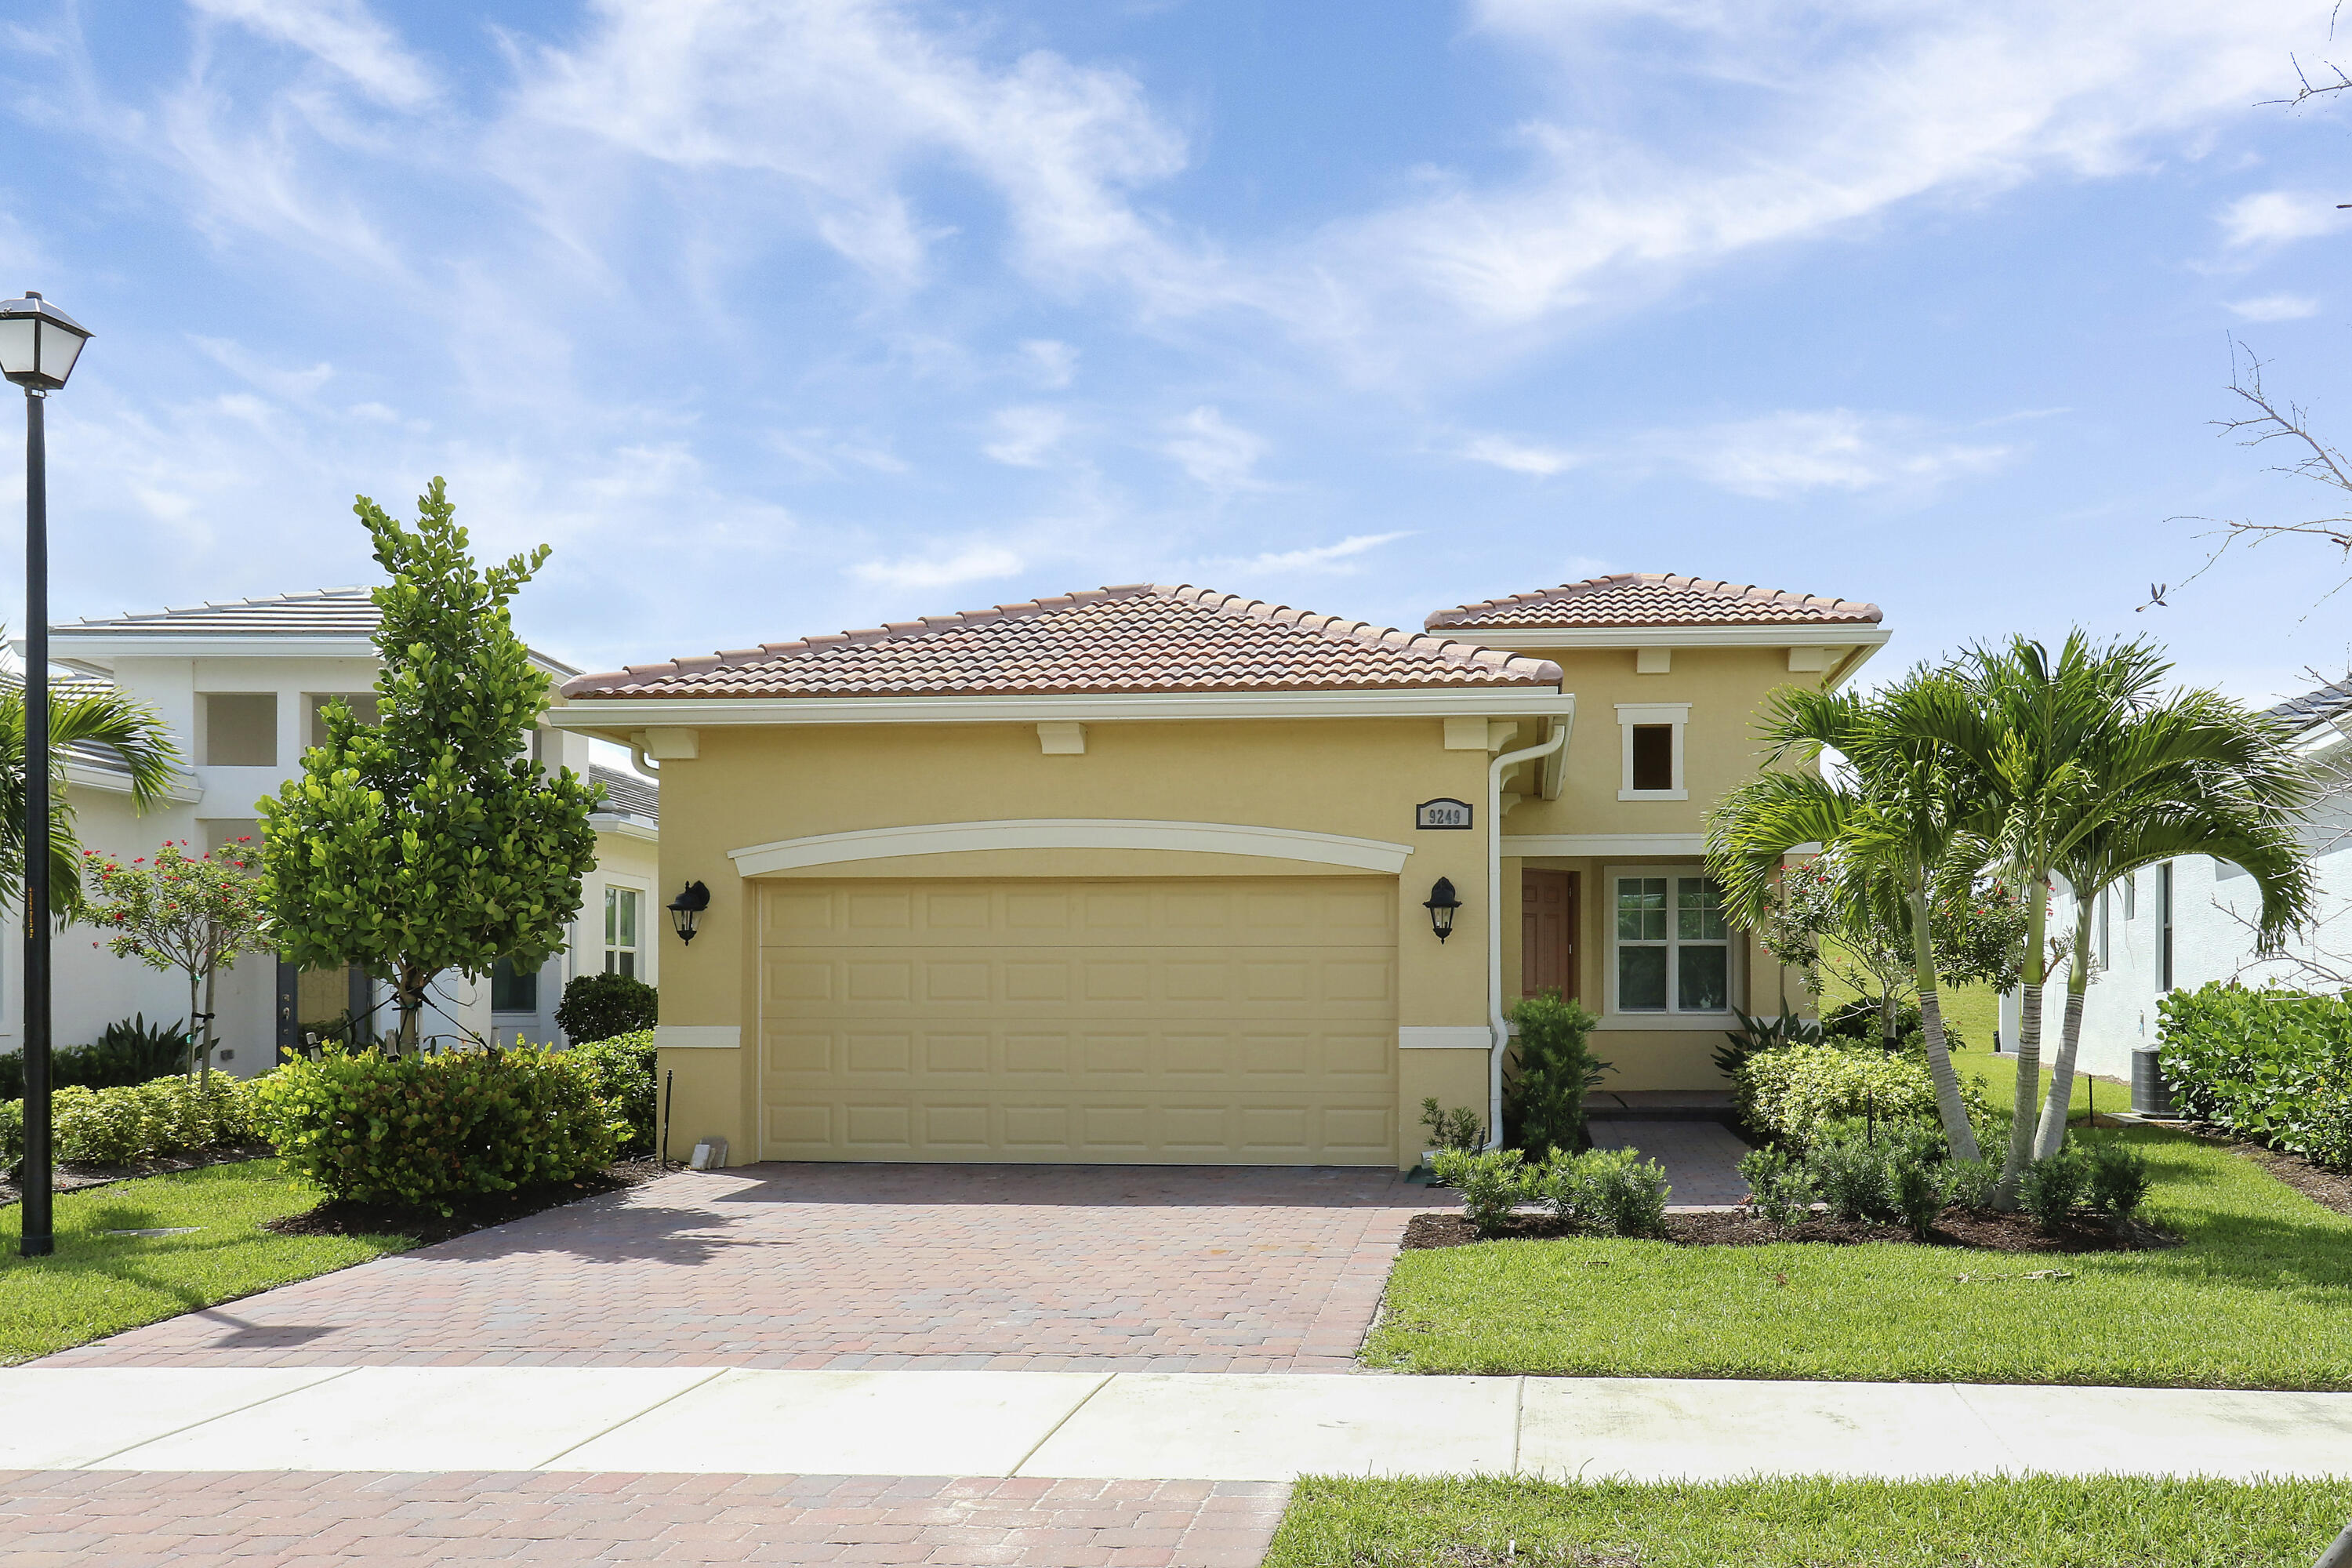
(1892, 828)
(2241, 811)
(101, 718)
(2067, 747)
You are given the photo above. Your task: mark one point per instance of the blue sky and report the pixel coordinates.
(784, 318)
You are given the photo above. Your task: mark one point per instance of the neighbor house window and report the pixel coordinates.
(513, 990)
(240, 730)
(2131, 895)
(2099, 932)
(1674, 944)
(362, 705)
(2164, 927)
(1650, 746)
(621, 931)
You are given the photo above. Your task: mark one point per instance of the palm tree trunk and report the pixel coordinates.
(2024, 1117)
(1949, 1104)
(2052, 1130)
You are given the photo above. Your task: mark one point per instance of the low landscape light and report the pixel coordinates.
(1441, 905)
(686, 909)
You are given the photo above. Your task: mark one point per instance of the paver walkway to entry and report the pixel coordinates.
(1702, 1158)
(846, 1266)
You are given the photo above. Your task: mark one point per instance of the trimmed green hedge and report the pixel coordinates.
(420, 1129)
(2274, 1067)
(623, 1069)
(1799, 1095)
(126, 1125)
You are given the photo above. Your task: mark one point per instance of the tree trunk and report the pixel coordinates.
(2052, 1130)
(196, 1030)
(1949, 1104)
(2024, 1118)
(408, 994)
(209, 1039)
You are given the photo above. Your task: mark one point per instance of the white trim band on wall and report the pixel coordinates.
(1605, 844)
(1103, 833)
(1444, 1037)
(697, 1037)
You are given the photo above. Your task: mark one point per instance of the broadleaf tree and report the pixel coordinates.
(193, 913)
(430, 841)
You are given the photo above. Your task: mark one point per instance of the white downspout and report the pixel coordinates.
(1497, 1024)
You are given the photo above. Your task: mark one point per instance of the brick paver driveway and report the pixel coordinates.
(1045, 1267)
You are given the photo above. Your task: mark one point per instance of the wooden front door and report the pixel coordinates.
(1548, 932)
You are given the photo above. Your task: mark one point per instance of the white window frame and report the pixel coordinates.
(1629, 714)
(605, 947)
(1735, 963)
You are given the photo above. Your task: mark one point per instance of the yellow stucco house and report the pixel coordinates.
(1144, 874)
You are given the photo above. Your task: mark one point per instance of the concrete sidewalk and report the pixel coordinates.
(1130, 1426)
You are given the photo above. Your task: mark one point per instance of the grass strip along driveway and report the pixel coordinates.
(97, 1284)
(2030, 1522)
(2259, 1297)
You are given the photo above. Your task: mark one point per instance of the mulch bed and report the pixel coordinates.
(1958, 1229)
(75, 1178)
(2328, 1189)
(466, 1215)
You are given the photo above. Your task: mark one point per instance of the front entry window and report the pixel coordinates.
(1673, 945)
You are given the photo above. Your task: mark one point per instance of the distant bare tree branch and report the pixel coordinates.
(2261, 420)
(2306, 89)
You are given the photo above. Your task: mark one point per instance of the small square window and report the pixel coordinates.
(513, 990)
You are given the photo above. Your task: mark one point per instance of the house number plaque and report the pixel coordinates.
(1442, 813)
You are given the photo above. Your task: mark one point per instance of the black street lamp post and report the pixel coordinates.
(38, 344)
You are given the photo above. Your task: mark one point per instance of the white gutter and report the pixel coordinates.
(1495, 1023)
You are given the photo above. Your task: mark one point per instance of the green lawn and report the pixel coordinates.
(2260, 1297)
(95, 1284)
(2031, 1523)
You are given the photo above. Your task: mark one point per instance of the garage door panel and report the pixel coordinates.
(1149, 1021)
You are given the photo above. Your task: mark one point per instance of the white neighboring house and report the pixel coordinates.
(240, 685)
(2186, 923)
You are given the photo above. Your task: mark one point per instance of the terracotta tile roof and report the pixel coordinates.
(1656, 599)
(1136, 638)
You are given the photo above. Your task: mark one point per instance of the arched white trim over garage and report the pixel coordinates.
(1071, 833)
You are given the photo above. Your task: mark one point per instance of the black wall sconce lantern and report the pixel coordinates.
(686, 909)
(1441, 906)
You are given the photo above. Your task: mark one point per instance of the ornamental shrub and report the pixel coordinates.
(1462, 1130)
(1624, 1194)
(12, 1136)
(2053, 1185)
(130, 1124)
(132, 1050)
(1554, 1069)
(1797, 1095)
(1780, 1185)
(599, 1007)
(2272, 1066)
(1492, 1181)
(623, 1068)
(421, 1129)
(2119, 1178)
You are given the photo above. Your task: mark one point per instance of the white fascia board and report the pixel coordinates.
(81, 775)
(1525, 843)
(621, 714)
(1536, 639)
(624, 825)
(1070, 833)
(66, 645)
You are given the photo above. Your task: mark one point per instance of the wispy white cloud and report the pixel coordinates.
(1334, 560)
(1787, 454)
(976, 562)
(2274, 308)
(1518, 457)
(1026, 435)
(1214, 451)
(2276, 217)
(1054, 364)
(341, 34)
(291, 384)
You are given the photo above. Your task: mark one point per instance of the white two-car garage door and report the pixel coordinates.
(1182, 1021)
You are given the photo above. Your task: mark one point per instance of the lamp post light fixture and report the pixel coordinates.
(686, 909)
(1441, 905)
(39, 345)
